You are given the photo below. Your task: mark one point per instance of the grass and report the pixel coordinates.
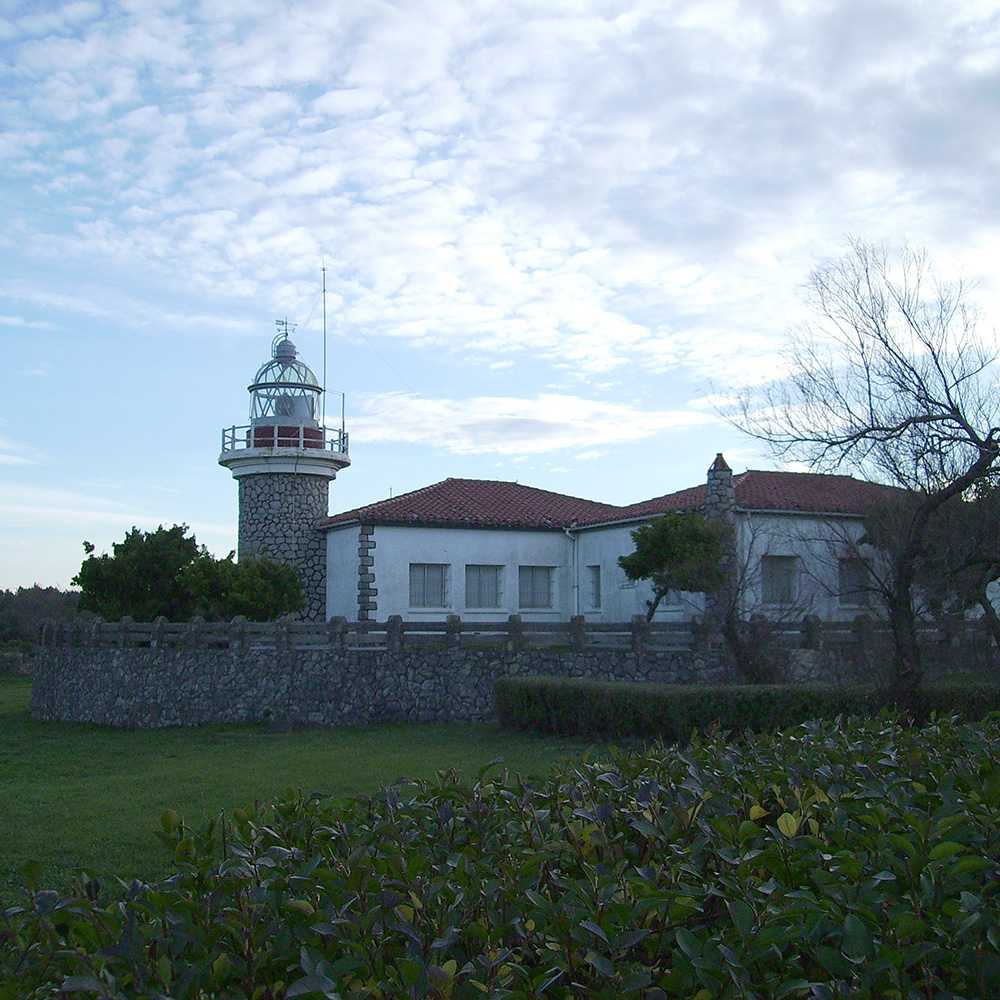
(74, 795)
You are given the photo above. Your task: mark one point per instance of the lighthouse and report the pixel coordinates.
(284, 460)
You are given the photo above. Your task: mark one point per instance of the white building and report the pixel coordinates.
(485, 550)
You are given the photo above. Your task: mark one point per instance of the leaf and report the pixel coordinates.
(594, 929)
(80, 984)
(794, 986)
(946, 849)
(965, 865)
(743, 917)
(688, 943)
(858, 942)
(600, 963)
(788, 824)
(758, 812)
(313, 984)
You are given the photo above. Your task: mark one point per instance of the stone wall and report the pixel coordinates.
(136, 675)
(149, 687)
(279, 514)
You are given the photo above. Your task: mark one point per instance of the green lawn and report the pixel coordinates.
(75, 795)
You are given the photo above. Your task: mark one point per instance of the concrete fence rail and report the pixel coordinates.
(150, 674)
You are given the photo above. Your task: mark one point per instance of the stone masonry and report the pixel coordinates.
(290, 673)
(279, 517)
(367, 592)
(146, 688)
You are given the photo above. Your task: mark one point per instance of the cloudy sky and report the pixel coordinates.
(553, 231)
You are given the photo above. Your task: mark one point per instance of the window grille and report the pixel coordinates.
(535, 586)
(482, 586)
(855, 583)
(778, 579)
(594, 591)
(428, 585)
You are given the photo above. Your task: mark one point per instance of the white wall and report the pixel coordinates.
(620, 597)
(342, 572)
(397, 547)
(817, 543)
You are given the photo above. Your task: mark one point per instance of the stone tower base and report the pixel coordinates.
(279, 517)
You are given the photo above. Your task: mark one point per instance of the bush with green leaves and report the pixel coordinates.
(838, 859)
(606, 710)
(166, 573)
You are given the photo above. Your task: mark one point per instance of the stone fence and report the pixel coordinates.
(145, 675)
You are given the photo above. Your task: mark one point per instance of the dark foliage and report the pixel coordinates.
(24, 609)
(165, 573)
(603, 710)
(260, 589)
(676, 551)
(141, 578)
(836, 859)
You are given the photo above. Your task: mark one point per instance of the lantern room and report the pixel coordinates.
(287, 429)
(285, 389)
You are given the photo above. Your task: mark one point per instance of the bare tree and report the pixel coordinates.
(893, 382)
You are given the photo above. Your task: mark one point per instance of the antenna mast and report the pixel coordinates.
(323, 421)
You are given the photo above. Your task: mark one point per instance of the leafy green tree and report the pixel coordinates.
(141, 578)
(165, 572)
(260, 588)
(676, 551)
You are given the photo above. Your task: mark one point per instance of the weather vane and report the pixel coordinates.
(284, 327)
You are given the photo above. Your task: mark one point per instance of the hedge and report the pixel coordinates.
(606, 710)
(851, 859)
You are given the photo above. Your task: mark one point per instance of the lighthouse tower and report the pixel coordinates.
(284, 461)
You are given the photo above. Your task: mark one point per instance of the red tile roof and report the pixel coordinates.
(479, 503)
(802, 492)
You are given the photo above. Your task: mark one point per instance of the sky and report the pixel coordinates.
(555, 233)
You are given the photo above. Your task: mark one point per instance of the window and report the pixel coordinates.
(428, 585)
(777, 577)
(535, 586)
(594, 586)
(855, 583)
(482, 586)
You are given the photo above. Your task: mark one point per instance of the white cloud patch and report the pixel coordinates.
(510, 426)
(634, 185)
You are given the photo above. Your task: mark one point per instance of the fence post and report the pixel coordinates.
(394, 633)
(195, 631)
(812, 632)
(453, 632)
(283, 635)
(577, 633)
(515, 633)
(640, 633)
(336, 632)
(123, 630)
(156, 634)
(238, 633)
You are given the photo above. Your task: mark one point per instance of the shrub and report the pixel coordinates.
(836, 859)
(604, 710)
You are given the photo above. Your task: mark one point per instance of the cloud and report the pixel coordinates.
(512, 426)
(638, 186)
(29, 324)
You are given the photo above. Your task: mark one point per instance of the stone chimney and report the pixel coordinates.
(720, 495)
(720, 505)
